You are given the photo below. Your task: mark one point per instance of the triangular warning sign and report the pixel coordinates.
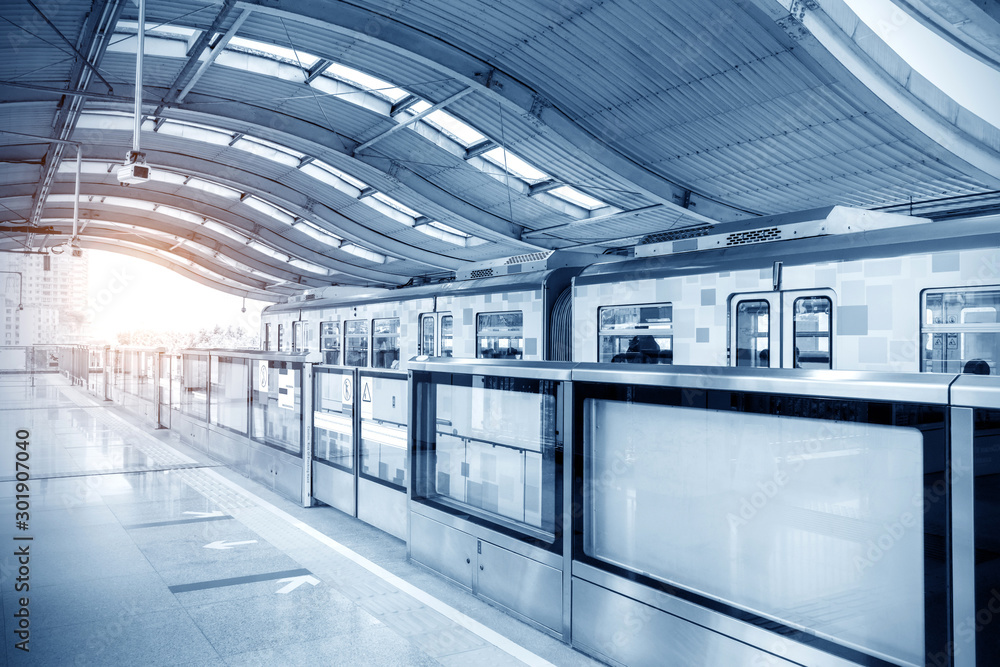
(366, 395)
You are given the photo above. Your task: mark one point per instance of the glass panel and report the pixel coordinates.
(333, 422)
(383, 430)
(447, 336)
(356, 343)
(230, 377)
(277, 411)
(176, 382)
(986, 514)
(640, 334)
(752, 330)
(297, 342)
(267, 336)
(385, 343)
(329, 340)
(194, 386)
(500, 335)
(281, 338)
(961, 332)
(488, 448)
(427, 335)
(145, 375)
(811, 331)
(797, 519)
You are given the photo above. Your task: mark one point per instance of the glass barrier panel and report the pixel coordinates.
(194, 386)
(333, 419)
(488, 447)
(176, 381)
(986, 513)
(146, 375)
(230, 382)
(792, 509)
(276, 405)
(383, 429)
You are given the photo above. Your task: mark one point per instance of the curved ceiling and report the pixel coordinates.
(303, 144)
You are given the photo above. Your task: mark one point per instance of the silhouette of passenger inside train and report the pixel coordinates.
(977, 367)
(642, 350)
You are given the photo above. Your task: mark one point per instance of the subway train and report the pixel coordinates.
(833, 288)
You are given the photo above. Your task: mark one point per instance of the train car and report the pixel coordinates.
(510, 309)
(880, 297)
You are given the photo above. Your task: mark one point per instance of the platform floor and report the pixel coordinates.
(122, 571)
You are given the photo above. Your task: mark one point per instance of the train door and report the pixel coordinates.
(786, 329)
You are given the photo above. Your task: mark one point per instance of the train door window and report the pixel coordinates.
(281, 338)
(356, 343)
(641, 334)
(385, 343)
(960, 331)
(427, 335)
(811, 332)
(267, 336)
(329, 341)
(753, 334)
(297, 337)
(447, 335)
(500, 335)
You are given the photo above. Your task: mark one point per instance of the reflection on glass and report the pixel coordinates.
(194, 386)
(356, 343)
(636, 334)
(383, 430)
(500, 335)
(447, 336)
(785, 520)
(811, 331)
(491, 453)
(333, 422)
(277, 411)
(329, 342)
(752, 330)
(385, 343)
(230, 378)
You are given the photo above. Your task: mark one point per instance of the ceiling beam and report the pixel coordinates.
(399, 126)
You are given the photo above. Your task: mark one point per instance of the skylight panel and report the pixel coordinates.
(164, 176)
(214, 188)
(574, 196)
(168, 31)
(270, 209)
(364, 253)
(302, 58)
(365, 81)
(220, 228)
(196, 132)
(389, 201)
(131, 203)
(104, 121)
(68, 166)
(180, 215)
(446, 228)
(268, 250)
(463, 132)
(309, 266)
(269, 151)
(324, 173)
(515, 165)
(444, 233)
(318, 233)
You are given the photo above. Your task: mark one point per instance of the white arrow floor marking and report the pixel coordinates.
(221, 544)
(295, 582)
(206, 515)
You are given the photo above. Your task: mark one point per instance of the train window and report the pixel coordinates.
(297, 336)
(753, 320)
(447, 336)
(641, 334)
(385, 343)
(329, 342)
(500, 335)
(281, 338)
(960, 331)
(427, 335)
(356, 343)
(267, 336)
(812, 333)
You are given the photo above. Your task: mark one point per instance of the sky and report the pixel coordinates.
(968, 81)
(128, 293)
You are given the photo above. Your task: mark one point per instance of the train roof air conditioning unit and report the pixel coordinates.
(543, 260)
(800, 225)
